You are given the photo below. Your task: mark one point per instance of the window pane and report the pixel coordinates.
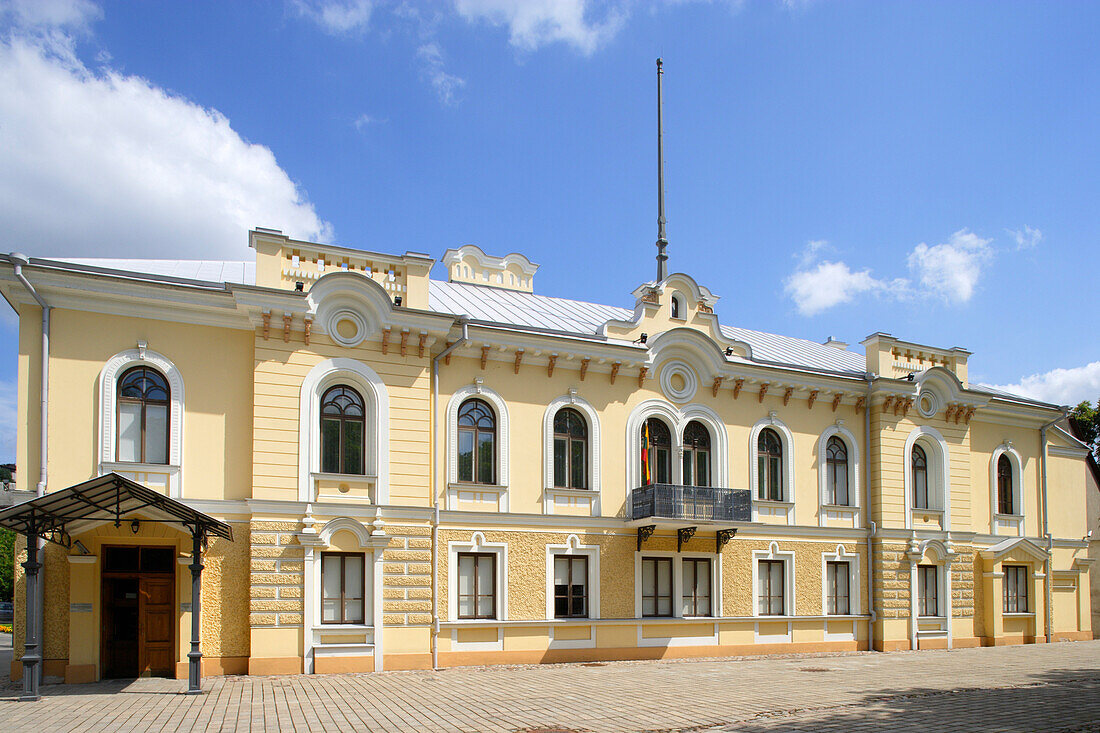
(702, 580)
(841, 493)
(353, 611)
(762, 478)
(485, 576)
(330, 446)
(465, 606)
(579, 470)
(702, 468)
(663, 471)
(649, 606)
(465, 456)
(330, 576)
(330, 610)
(649, 578)
(664, 606)
(560, 446)
(664, 578)
(920, 489)
(353, 576)
(156, 433)
(561, 571)
(485, 473)
(688, 480)
(774, 483)
(485, 606)
(129, 431)
(465, 575)
(353, 447)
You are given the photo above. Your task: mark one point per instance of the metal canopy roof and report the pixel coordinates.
(107, 498)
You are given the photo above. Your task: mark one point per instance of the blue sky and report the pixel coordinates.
(832, 168)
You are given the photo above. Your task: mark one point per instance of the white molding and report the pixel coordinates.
(595, 465)
(840, 554)
(939, 473)
(477, 543)
(677, 419)
(678, 586)
(108, 399)
(787, 441)
(691, 381)
(478, 390)
(773, 553)
(376, 439)
(1016, 462)
(854, 464)
(574, 548)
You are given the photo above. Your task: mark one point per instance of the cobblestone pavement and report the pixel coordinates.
(1052, 687)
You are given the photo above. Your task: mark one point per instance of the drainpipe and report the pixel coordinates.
(867, 508)
(19, 261)
(437, 483)
(1046, 526)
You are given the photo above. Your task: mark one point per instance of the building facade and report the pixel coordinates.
(427, 472)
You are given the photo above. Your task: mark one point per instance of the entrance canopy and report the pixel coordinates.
(108, 498)
(59, 515)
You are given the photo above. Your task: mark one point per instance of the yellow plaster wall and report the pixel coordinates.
(986, 438)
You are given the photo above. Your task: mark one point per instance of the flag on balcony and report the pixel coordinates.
(646, 478)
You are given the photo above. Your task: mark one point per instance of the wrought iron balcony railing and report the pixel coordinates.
(691, 503)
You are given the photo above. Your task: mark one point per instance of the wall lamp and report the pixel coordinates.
(397, 301)
(299, 286)
(729, 351)
(135, 526)
(642, 339)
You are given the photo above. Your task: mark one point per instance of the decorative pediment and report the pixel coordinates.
(348, 306)
(1018, 546)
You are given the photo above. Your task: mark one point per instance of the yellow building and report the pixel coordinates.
(420, 472)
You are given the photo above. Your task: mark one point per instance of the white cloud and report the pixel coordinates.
(446, 85)
(817, 286)
(98, 162)
(1060, 386)
(69, 15)
(535, 23)
(1026, 238)
(8, 420)
(951, 270)
(337, 16)
(363, 121)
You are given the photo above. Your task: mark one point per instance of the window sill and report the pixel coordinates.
(1009, 517)
(1025, 614)
(782, 617)
(937, 512)
(840, 507)
(496, 488)
(931, 618)
(365, 477)
(772, 502)
(569, 492)
(343, 627)
(109, 466)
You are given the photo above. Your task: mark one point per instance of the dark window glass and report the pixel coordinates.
(836, 588)
(659, 451)
(1015, 589)
(342, 582)
(771, 593)
(696, 454)
(570, 586)
(696, 578)
(158, 560)
(675, 307)
(836, 472)
(656, 586)
(477, 433)
(920, 478)
(770, 466)
(928, 601)
(143, 416)
(342, 431)
(122, 559)
(1004, 485)
(477, 585)
(570, 450)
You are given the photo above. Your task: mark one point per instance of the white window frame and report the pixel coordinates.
(376, 440)
(787, 558)
(478, 544)
(108, 410)
(677, 419)
(852, 509)
(999, 522)
(574, 548)
(939, 474)
(594, 464)
(841, 554)
(678, 583)
(477, 390)
(786, 506)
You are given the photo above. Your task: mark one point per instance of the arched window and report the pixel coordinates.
(477, 442)
(696, 454)
(836, 468)
(656, 452)
(570, 450)
(770, 461)
(676, 307)
(1004, 485)
(143, 406)
(343, 425)
(919, 461)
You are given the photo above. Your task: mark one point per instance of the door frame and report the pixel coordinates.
(138, 575)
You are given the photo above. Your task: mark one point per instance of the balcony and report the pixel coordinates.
(697, 504)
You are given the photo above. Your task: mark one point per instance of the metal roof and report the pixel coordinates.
(107, 498)
(219, 271)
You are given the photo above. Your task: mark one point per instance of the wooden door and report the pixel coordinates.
(156, 653)
(121, 623)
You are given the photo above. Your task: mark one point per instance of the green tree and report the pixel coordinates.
(7, 564)
(1086, 418)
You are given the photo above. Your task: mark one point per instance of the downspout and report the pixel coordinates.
(437, 483)
(1046, 526)
(18, 261)
(871, 528)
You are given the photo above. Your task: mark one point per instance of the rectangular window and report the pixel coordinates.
(920, 490)
(341, 588)
(836, 588)
(838, 485)
(570, 586)
(656, 586)
(772, 588)
(696, 572)
(129, 432)
(561, 446)
(465, 455)
(928, 601)
(477, 585)
(1015, 589)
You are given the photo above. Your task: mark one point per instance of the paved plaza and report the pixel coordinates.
(1052, 687)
